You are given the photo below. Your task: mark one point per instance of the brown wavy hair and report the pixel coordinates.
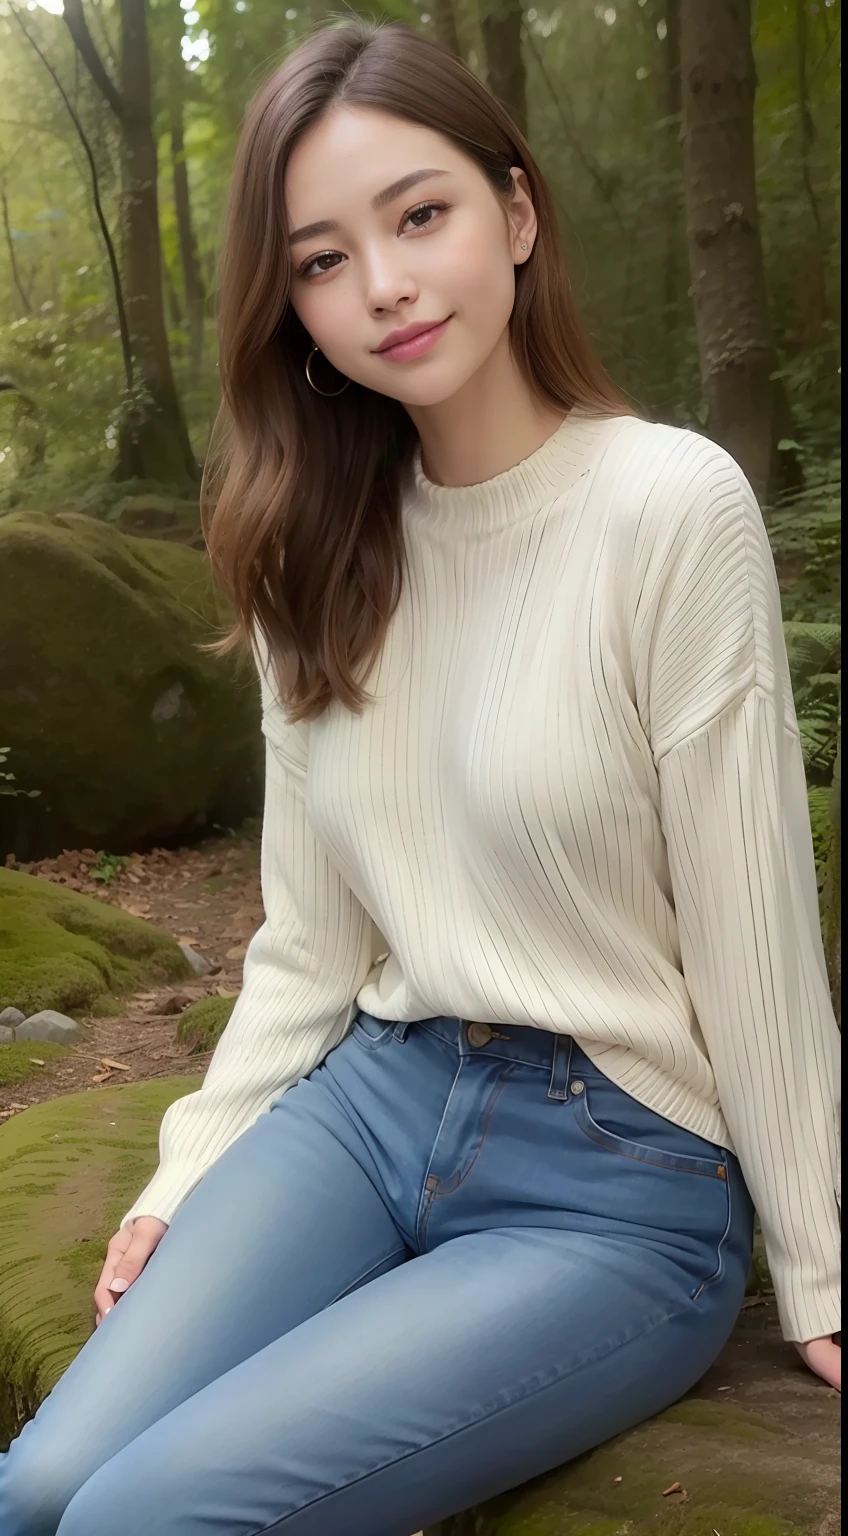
(301, 493)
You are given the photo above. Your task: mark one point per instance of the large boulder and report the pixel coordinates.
(69, 1169)
(765, 1467)
(129, 732)
(72, 953)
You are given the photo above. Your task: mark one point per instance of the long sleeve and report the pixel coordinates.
(734, 810)
(302, 971)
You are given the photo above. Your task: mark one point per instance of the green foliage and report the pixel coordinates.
(7, 784)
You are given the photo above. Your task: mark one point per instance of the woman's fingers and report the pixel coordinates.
(824, 1357)
(126, 1256)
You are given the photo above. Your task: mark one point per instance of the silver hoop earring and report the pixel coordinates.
(329, 393)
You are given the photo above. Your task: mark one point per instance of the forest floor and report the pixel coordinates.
(207, 894)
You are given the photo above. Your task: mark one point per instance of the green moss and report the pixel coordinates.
(202, 1024)
(723, 1418)
(62, 950)
(16, 1064)
(57, 1210)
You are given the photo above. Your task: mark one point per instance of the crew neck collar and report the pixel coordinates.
(517, 492)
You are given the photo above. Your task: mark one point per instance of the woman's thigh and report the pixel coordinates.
(478, 1365)
(284, 1223)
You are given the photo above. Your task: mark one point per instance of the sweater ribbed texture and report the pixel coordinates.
(577, 801)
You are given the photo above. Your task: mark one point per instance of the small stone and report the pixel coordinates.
(48, 1025)
(199, 964)
(7, 1036)
(10, 1018)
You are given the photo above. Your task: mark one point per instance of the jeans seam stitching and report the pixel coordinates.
(364, 1276)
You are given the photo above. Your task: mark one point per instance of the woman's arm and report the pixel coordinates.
(302, 971)
(721, 720)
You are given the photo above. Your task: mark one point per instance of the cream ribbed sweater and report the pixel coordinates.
(577, 802)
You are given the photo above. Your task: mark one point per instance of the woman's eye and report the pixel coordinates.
(311, 268)
(422, 216)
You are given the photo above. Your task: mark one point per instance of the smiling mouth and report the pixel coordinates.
(414, 346)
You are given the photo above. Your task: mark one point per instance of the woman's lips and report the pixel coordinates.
(417, 346)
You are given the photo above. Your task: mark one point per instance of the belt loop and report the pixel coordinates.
(561, 1068)
(401, 1028)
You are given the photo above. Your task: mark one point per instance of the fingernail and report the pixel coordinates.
(119, 1285)
(106, 1309)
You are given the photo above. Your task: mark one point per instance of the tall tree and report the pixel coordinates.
(747, 404)
(153, 440)
(444, 26)
(194, 285)
(668, 90)
(501, 24)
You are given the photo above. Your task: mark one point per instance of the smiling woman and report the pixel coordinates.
(389, 240)
(539, 1008)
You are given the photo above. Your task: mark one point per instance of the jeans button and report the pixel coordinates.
(577, 1087)
(479, 1034)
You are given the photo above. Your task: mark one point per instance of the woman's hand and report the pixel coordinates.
(824, 1357)
(126, 1255)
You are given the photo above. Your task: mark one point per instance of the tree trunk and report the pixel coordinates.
(812, 283)
(444, 26)
(668, 76)
(501, 26)
(748, 411)
(195, 292)
(153, 440)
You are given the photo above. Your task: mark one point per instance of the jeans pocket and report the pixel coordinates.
(654, 1177)
(642, 1134)
(371, 1032)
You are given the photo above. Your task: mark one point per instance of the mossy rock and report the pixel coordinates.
(742, 1473)
(203, 1023)
(69, 1169)
(60, 949)
(131, 734)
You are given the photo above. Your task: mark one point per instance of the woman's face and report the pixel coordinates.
(412, 234)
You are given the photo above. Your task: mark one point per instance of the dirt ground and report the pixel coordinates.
(207, 894)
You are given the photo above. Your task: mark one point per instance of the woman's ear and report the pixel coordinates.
(522, 217)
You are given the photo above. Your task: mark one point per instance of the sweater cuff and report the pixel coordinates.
(808, 1309)
(171, 1184)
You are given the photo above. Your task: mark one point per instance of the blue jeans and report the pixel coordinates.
(447, 1261)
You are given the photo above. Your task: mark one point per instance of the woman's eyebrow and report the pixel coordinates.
(380, 200)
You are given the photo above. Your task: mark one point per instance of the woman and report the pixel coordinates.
(541, 956)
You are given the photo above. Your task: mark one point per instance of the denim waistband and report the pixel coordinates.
(524, 1044)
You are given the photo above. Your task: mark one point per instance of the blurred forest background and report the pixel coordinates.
(693, 150)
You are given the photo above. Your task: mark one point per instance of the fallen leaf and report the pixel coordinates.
(224, 992)
(618, 1479)
(119, 1066)
(725, 1389)
(675, 1488)
(36, 1061)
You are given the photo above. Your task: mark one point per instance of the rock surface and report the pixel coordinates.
(47, 1024)
(67, 952)
(130, 734)
(69, 1168)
